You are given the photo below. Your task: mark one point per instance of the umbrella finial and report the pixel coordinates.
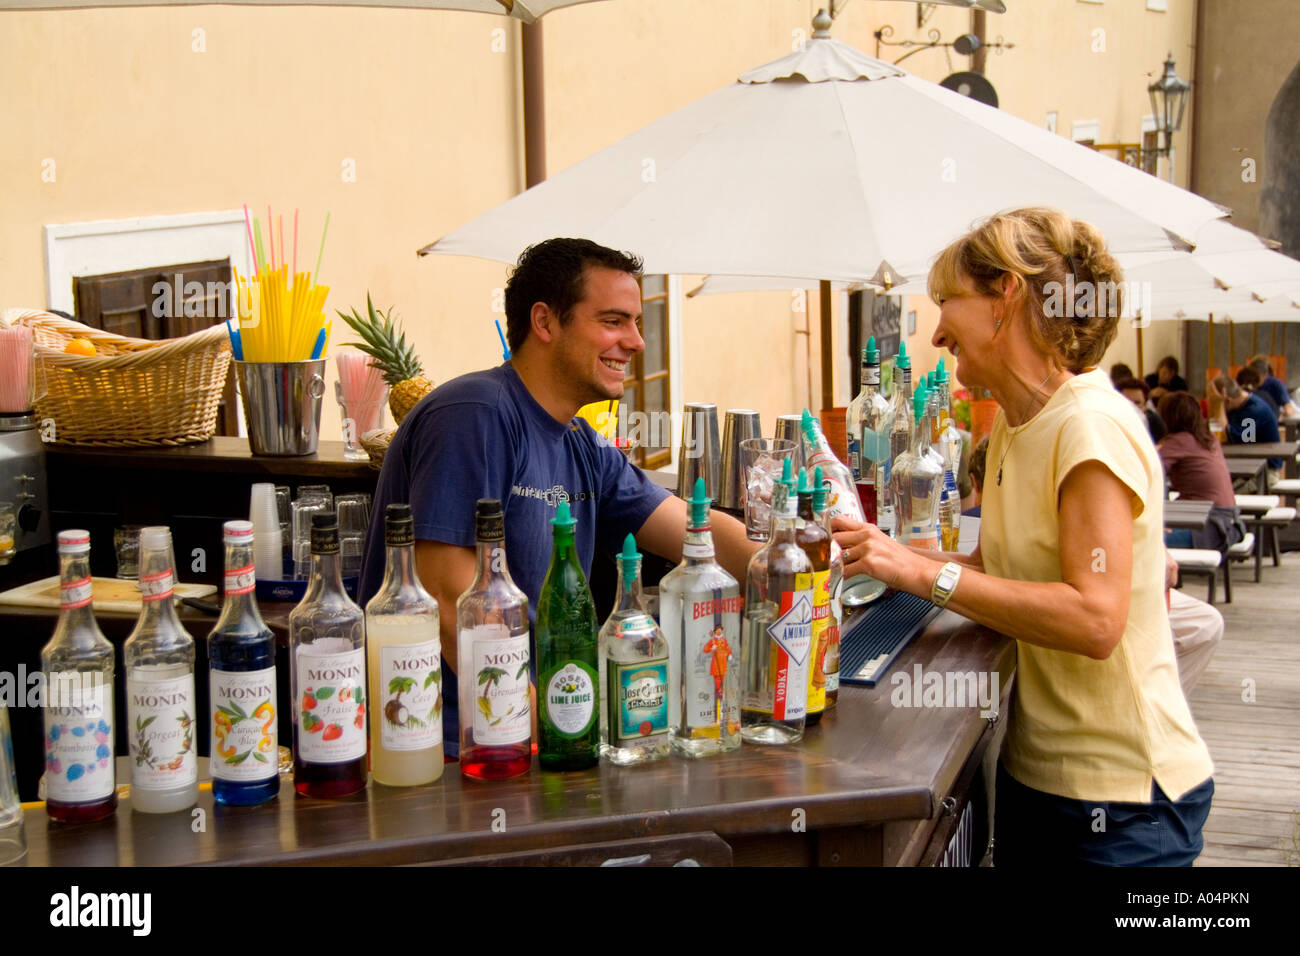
(822, 25)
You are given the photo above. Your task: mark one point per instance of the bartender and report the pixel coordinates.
(573, 323)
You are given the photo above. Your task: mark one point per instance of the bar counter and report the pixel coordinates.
(873, 784)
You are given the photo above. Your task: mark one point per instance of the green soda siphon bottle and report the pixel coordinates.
(567, 658)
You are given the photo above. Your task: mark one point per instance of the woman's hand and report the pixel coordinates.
(868, 550)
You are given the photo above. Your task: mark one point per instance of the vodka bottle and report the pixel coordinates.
(916, 482)
(78, 709)
(868, 422)
(950, 435)
(160, 703)
(841, 493)
(949, 519)
(493, 657)
(777, 640)
(404, 663)
(900, 433)
(244, 746)
(816, 544)
(699, 605)
(634, 699)
(327, 658)
(835, 585)
(568, 654)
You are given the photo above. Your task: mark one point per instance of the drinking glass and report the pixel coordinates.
(8, 531)
(13, 841)
(761, 459)
(126, 545)
(354, 519)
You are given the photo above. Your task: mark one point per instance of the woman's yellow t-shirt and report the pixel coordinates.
(1082, 728)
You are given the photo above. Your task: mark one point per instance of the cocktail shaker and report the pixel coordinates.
(700, 455)
(741, 423)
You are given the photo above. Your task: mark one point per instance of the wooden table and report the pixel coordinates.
(1290, 426)
(873, 784)
(1187, 514)
(1256, 468)
(1278, 449)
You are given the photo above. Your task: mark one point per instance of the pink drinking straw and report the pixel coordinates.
(281, 219)
(252, 247)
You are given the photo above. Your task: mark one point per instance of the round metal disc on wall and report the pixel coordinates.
(974, 85)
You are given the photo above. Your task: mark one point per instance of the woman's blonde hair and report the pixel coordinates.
(1072, 284)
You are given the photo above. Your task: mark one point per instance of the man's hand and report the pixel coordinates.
(446, 571)
(1171, 570)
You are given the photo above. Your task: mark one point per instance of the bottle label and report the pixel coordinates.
(875, 445)
(79, 737)
(821, 619)
(244, 744)
(157, 587)
(74, 594)
(698, 551)
(791, 635)
(569, 702)
(332, 709)
(410, 683)
(855, 457)
(500, 676)
(240, 581)
(638, 700)
(832, 658)
(160, 715)
(711, 643)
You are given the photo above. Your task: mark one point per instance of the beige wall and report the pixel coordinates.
(1245, 60)
(139, 124)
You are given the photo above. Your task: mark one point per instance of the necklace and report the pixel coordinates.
(1017, 431)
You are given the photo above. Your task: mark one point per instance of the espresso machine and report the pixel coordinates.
(24, 501)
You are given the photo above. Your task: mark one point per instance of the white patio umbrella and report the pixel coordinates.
(826, 163)
(525, 10)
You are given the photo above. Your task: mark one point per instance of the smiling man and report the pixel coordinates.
(573, 316)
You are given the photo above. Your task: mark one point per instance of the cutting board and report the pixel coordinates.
(108, 594)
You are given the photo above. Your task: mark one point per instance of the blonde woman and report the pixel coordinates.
(1102, 763)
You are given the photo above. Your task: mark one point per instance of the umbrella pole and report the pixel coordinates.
(828, 371)
(1272, 341)
(1138, 329)
(1232, 346)
(1254, 339)
(1209, 341)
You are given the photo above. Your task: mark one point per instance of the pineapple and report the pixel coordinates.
(386, 343)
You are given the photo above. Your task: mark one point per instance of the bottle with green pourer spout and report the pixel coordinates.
(634, 669)
(567, 658)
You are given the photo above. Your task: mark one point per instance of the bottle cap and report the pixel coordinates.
(699, 506)
(941, 373)
(489, 522)
(819, 490)
(871, 354)
(74, 541)
(630, 559)
(902, 361)
(806, 422)
(399, 526)
(155, 537)
(563, 521)
(787, 477)
(238, 533)
(918, 401)
(803, 484)
(324, 533)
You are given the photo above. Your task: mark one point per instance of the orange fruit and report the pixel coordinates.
(80, 347)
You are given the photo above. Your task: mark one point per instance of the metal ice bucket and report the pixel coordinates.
(282, 403)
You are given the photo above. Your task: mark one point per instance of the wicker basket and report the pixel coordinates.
(135, 392)
(376, 445)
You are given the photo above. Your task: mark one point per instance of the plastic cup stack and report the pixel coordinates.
(268, 551)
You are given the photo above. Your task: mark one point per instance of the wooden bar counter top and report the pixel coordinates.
(873, 784)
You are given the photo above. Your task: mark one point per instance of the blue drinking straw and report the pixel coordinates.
(319, 347)
(236, 344)
(505, 349)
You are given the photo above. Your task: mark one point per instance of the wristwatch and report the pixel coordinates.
(945, 582)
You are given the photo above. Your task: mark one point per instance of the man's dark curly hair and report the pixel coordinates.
(552, 272)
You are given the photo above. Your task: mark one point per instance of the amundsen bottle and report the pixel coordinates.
(816, 543)
(634, 719)
(567, 658)
(160, 705)
(327, 661)
(78, 708)
(404, 653)
(492, 653)
(241, 680)
(778, 630)
(699, 606)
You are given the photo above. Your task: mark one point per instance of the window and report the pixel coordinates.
(647, 399)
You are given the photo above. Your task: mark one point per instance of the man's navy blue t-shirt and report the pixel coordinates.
(1254, 410)
(1275, 389)
(483, 435)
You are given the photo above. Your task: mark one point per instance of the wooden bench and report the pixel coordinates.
(1199, 562)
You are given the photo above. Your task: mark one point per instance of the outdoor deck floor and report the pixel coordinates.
(1255, 819)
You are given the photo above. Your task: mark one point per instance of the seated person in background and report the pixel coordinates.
(977, 467)
(1197, 470)
(1249, 379)
(1273, 386)
(1247, 420)
(1119, 372)
(1166, 379)
(1135, 390)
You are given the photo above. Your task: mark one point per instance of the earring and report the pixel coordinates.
(997, 322)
